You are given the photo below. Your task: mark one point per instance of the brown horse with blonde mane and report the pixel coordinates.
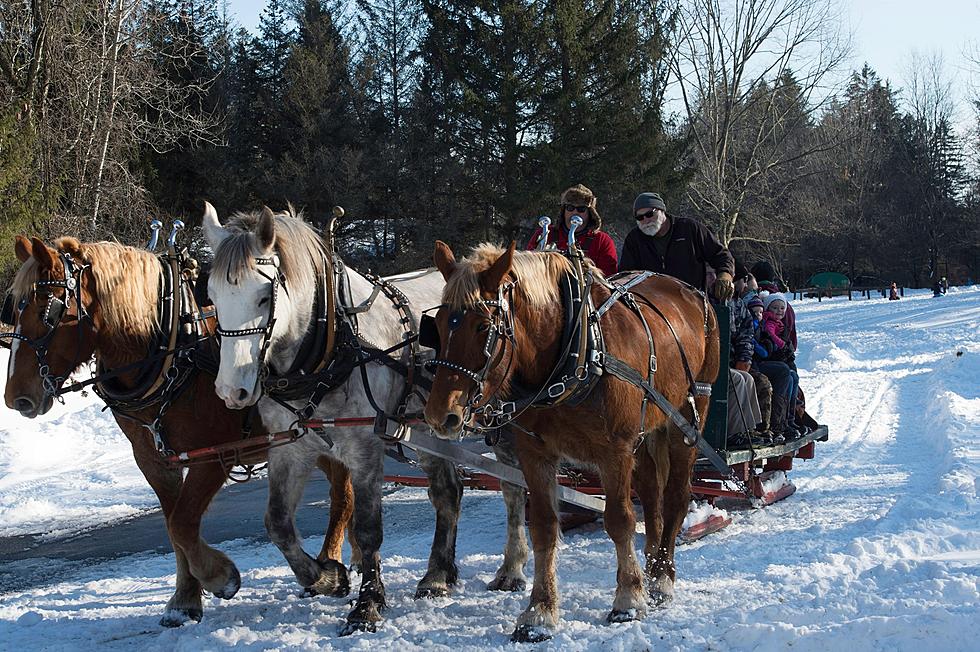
(117, 289)
(603, 430)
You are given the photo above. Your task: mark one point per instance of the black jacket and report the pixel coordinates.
(742, 332)
(691, 247)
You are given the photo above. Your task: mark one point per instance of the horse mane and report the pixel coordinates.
(537, 275)
(127, 284)
(297, 244)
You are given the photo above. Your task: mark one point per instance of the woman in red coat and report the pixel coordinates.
(591, 239)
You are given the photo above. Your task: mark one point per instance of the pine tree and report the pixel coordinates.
(319, 163)
(24, 205)
(272, 48)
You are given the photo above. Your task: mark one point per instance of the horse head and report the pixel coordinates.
(476, 325)
(53, 331)
(262, 283)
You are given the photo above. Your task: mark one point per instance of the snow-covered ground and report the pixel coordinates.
(879, 549)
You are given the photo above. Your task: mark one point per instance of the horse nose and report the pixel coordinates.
(453, 421)
(24, 404)
(234, 395)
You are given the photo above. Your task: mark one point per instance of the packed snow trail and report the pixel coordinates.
(879, 549)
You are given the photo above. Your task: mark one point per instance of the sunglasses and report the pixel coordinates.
(645, 216)
(576, 209)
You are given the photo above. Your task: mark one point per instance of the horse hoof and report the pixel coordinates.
(620, 616)
(659, 600)
(366, 614)
(333, 581)
(428, 592)
(354, 626)
(231, 586)
(530, 634)
(178, 617)
(507, 583)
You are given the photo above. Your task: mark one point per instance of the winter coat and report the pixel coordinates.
(597, 245)
(773, 327)
(690, 248)
(759, 350)
(789, 319)
(742, 331)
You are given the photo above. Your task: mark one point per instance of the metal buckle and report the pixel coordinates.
(556, 390)
(507, 408)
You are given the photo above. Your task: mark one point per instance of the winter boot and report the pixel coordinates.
(763, 391)
(778, 420)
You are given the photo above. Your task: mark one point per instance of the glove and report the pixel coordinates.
(724, 288)
(743, 365)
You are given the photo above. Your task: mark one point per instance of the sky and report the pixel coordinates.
(885, 34)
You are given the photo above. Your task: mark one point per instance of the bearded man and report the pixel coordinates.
(678, 246)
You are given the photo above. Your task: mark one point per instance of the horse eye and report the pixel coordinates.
(263, 301)
(482, 328)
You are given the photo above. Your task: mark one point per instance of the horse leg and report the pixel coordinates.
(616, 471)
(652, 471)
(213, 569)
(540, 620)
(676, 501)
(289, 469)
(510, 576)
(185, 604)
(445, 494)
(341, 508)
(368, 532)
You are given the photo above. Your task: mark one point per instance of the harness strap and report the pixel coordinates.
(692, 437)
(619, 290)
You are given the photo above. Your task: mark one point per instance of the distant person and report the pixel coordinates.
(591, 239)
(893, 293)
(677, 246)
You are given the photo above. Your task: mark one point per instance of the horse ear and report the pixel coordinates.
(491, 279)
(266, 230)
(444, 259)
(45, 256)
(22, 247)
(214, 233)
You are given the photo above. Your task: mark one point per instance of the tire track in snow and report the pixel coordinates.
(851, 440)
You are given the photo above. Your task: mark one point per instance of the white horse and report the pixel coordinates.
(263, 283)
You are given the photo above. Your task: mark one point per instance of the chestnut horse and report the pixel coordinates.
(516, 295)
(117, 290)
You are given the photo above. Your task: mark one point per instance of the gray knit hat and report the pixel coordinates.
(648, 200)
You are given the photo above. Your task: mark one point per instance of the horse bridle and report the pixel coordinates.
(276, 279)
(501, 324)
(52, 316)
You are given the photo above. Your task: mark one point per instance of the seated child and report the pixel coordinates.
(774, 338)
